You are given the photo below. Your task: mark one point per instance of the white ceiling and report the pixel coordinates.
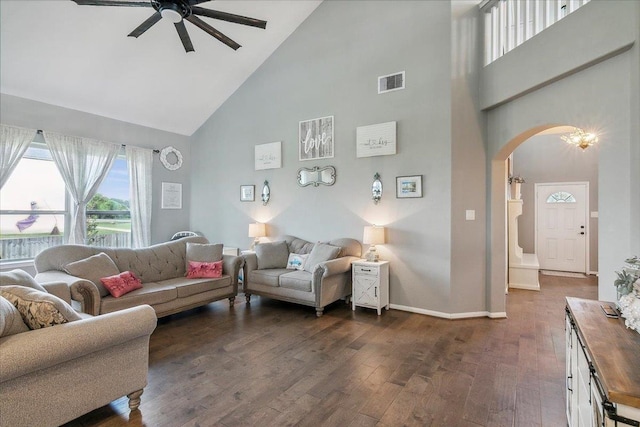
(80, 57)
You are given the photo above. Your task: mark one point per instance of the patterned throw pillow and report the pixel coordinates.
(10, 319)
(202, 270)
(39, 309)
(296, 261)
(122, 283)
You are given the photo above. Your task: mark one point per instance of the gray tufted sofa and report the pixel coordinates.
(160, 267)
(327, 281)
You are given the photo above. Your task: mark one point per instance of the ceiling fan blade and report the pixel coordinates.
(113, 3)
(229, 17)
(212, 31)
(148, 23)
(184, 36)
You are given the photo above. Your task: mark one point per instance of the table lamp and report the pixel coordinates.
(373, 235)
(257, 230)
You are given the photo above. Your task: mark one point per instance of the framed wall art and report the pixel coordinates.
(268, 156)
(171, 195)
(408, 186)
(247, 193)
(376, 140)
(315, 139)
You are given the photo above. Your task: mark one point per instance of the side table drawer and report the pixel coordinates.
(364, 270)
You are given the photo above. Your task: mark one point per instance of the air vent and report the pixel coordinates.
(391, 82)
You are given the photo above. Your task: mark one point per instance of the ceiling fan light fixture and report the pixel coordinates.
(171, 14)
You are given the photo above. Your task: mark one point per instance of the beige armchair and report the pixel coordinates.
(53, 375)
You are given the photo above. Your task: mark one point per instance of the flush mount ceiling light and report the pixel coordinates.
(177, 11)
(580, 138)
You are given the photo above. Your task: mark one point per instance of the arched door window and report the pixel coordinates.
(561, 197)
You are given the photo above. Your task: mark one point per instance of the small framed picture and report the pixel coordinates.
(408, 186)
(247, 193)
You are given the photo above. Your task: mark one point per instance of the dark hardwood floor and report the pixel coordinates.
(276, 364)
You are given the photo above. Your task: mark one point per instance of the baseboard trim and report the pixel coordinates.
(525, 287)
(593, 273)
(451, 316)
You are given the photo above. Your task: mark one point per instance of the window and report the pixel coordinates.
(561, 197)
(108, 216)
(35, 207)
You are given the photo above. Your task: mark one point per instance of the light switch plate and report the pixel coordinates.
(470, 215)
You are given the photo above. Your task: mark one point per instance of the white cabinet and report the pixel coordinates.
(598, 348)
(370, 285)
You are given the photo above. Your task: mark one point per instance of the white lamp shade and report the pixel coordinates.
(373, 235)
(257, 229)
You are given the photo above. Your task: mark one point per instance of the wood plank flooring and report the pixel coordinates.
(276, 364)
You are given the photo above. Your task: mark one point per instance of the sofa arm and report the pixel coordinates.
(59, 289)
(231, 265)
(250, 264)
(336, 266)
(43, 348)
(82, 290)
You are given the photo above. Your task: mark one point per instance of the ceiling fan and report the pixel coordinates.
(177, 11)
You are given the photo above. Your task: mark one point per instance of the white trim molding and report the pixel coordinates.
(451, 316)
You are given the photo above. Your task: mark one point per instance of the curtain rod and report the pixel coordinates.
(155, 150)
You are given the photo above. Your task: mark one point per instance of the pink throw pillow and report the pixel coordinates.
(122, 283)
(201, 270)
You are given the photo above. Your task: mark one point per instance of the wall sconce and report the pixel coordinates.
(373, 235)
(257, 230)
(580, 138)
(376, 188)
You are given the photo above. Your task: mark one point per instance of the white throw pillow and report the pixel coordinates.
(296, 261)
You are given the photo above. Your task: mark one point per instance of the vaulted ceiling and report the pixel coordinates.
(80, 57)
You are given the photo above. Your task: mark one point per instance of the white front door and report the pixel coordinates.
(561, 224)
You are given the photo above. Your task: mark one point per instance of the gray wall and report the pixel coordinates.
(544, 159)
(37, 115)
(600, 91)
(329, 66)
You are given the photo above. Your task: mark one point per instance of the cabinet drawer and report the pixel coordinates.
(365, 270)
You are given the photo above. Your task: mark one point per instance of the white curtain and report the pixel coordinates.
(83, 164)
(14, 141)
(140, 163)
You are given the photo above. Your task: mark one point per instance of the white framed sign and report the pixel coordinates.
(376, 140)
(171, 195)
(315, 139)
(268, 156)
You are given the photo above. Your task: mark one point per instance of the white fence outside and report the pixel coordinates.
(28, 247)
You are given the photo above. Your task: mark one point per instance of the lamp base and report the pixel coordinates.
(372, 255)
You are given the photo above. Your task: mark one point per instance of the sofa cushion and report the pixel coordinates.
(188, 287)
(10, 319)
(19, 277)
(151, 293)
(122, 283)
(267, 277)
(298, 280)
(272, 255)
(38, 309)
(321, 252)
(207, 252)
(93, 269)
(201, 270)
(296, 261)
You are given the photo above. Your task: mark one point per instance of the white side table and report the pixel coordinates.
(370, 285)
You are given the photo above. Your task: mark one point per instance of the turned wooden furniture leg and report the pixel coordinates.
(319, 311)
(248, 297)
(231, 301)
(134, 399)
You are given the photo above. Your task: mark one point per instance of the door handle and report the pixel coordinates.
(582, 232)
